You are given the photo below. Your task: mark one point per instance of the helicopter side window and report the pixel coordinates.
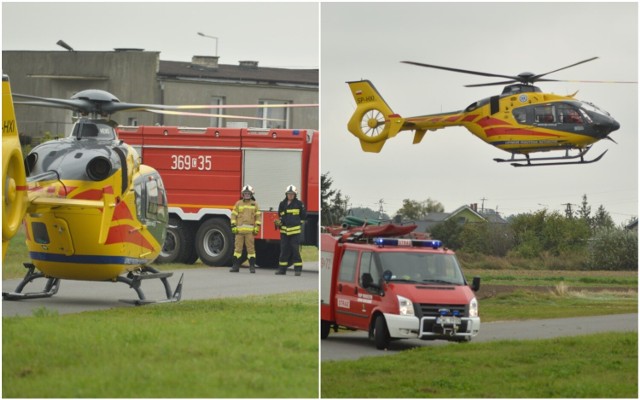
(569, 115)
(520, 114)
(545, 114)
(156, 207)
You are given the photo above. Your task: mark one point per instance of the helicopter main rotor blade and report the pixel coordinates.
(491, 84)
(464, 71)
(73, 104)
(537, 77)
(192, 114)
(213, 107)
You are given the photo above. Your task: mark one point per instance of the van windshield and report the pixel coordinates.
(421, 268)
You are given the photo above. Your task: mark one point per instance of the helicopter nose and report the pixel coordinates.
(615, 125)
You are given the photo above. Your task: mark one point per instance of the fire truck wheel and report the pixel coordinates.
(174, 248)
(381, 333)
(214, 242)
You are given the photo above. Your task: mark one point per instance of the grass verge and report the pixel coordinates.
(239, 347)
(600, 365)
(559, 302)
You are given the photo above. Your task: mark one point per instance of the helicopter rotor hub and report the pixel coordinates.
(372, 123)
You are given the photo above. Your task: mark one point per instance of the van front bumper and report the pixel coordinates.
(410, 327)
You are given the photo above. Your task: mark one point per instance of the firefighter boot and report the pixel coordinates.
(252, 265)
(298, 270)
(281, 270)
(236, 265)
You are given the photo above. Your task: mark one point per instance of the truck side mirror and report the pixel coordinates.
(475, 286)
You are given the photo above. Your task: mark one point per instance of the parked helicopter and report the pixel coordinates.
(92, 211)
(522, 120)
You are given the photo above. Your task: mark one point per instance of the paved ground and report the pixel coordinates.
(199, 283)
(354, 345)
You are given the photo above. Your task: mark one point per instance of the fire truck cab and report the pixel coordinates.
(396, 288)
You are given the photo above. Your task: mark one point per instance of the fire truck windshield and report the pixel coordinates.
(419, 267)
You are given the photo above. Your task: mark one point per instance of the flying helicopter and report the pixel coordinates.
(92, 211)
(522, 120)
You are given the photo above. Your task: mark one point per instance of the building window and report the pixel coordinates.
(281, 114)
(132, 121)
(217, 122)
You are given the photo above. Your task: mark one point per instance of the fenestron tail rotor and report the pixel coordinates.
(372, 122)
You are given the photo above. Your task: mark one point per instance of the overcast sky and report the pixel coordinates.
(274, 34)
(368, 41)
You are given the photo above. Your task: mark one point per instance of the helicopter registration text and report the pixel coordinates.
(187, 163)
(366, 99)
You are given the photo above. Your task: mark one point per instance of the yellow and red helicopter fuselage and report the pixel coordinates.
(521, 120)
(99, 215)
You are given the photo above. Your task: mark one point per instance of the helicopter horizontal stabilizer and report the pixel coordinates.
(373, 121)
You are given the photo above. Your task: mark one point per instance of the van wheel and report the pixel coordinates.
(214, 242)
(381, 333)
(325, 328)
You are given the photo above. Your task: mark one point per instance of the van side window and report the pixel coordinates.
(368, 265)
(348, 266)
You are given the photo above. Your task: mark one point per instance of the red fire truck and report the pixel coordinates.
(204, 169)
(395, 288)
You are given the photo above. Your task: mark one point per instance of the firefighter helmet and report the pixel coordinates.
(248, 188)
(292, 189)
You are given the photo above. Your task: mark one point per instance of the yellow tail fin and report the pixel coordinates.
(14, 180)
(373, 121)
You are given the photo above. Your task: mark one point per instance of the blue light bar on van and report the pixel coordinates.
(381, 242)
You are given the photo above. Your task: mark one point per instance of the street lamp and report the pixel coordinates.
(210, 37)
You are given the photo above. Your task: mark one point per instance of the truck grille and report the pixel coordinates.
(431, 310)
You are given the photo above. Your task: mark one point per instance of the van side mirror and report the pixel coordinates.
(475, 286)
(367, 280)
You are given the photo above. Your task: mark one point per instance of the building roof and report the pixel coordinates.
(246, 72)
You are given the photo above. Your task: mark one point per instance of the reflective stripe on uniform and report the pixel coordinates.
(291, 230)
(294, 211)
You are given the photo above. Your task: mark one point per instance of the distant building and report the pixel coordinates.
(467, 214)
(137, 76)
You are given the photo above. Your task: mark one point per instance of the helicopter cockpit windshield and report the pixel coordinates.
(593, 108)
(93, 130)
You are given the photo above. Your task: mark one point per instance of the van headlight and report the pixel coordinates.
(405, 306)
(473, 307)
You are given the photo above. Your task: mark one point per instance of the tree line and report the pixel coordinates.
(579, 239)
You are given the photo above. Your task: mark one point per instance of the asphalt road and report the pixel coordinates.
(354, 345)
(198, 284)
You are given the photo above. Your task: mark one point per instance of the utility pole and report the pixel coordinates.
(381, 208)
(568, 212)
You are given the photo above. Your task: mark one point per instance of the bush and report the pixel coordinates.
(614, 250)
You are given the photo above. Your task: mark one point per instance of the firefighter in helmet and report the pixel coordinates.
(245, 223)
(292, 214)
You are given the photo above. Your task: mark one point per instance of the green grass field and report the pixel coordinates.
(260, 347)
(592, 366)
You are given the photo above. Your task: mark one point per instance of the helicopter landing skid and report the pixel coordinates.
(51, 287)
(545, 161)
(134, 281)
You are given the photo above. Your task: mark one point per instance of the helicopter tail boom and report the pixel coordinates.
(373, 121)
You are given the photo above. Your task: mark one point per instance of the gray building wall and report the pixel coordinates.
(141, 77)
